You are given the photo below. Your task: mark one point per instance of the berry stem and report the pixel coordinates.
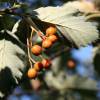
(41, 35)
(30, 59)
(41, 57)
(31, 36)
(34, 26)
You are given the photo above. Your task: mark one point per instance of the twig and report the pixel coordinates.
(33, 25)
(25, 17)
(59, 52)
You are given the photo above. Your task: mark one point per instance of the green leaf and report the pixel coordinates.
(22, 30)
(6, 22)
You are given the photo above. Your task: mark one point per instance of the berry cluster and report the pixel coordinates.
(37, 66)
(50, 37)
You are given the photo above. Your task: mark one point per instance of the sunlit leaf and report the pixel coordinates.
(73, 26)
(13, 61)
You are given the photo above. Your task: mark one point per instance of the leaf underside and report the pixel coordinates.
(12, 61)
(74, 27)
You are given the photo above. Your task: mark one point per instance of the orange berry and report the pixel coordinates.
(51, 30)
(53, 38)
(71, 64)
(46, 43)
(46, 63)
(38, 66)
(36, 49)
(32, 73)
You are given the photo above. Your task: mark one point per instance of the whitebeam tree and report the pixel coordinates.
(26, 44)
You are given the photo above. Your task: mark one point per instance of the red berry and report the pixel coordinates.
(32, 73)
(46, 63)
(71, 64)
(53, 38)
(38, 66)
(36, 49)
(51, 30)
(46, 43)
